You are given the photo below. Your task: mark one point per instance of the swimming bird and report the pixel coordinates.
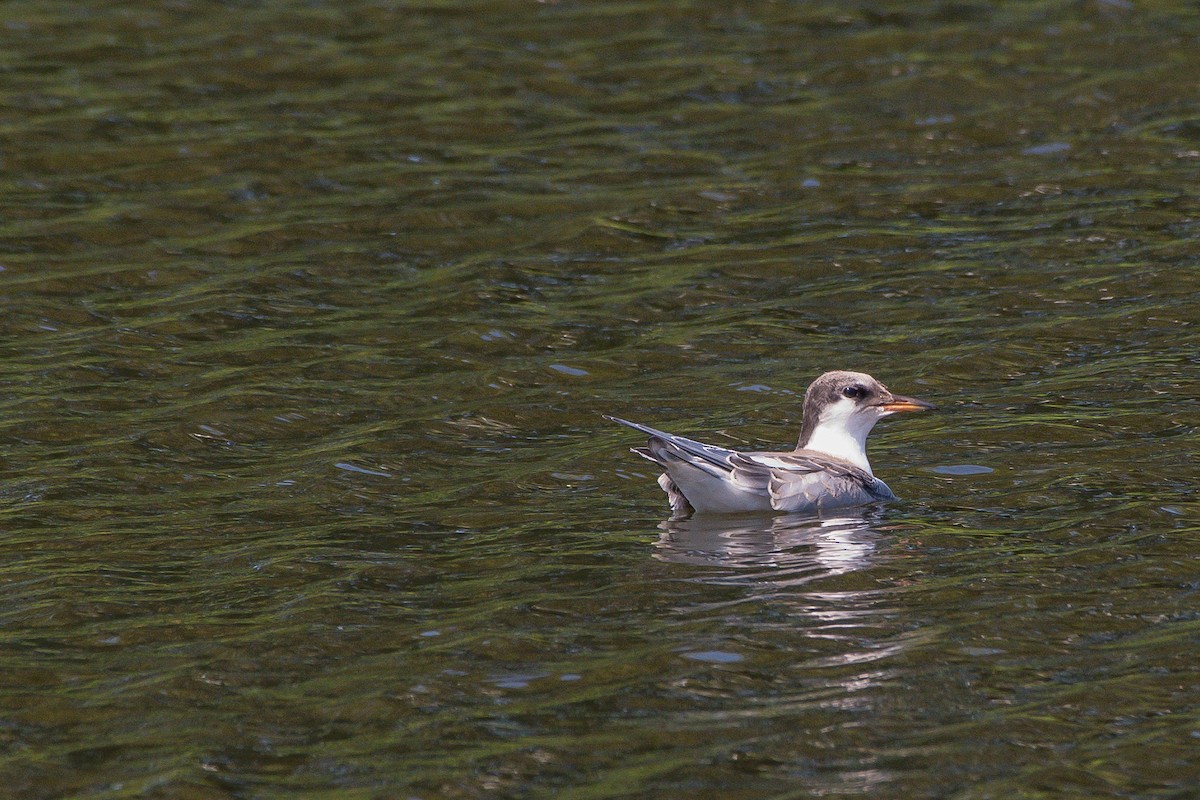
(828, 468)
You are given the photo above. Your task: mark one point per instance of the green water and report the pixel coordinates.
(309, 313)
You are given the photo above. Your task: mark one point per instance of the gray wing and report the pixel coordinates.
(807, 481)
(797, 481)
(716, 461)
(695, 474)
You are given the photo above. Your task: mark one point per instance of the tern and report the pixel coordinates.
(828, 468)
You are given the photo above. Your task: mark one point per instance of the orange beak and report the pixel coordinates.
(901, 403)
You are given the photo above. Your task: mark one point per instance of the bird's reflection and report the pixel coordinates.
(801, 602)
(793, 580)
(815, 546)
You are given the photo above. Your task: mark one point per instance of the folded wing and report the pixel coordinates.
(806, 481)
(704, 477)
(698, 476)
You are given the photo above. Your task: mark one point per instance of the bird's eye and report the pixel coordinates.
(854, 392)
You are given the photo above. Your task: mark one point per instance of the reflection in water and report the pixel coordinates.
(790, 581)
(789, 566)
(817, 545)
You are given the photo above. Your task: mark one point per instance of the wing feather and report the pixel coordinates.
(804, 480)
(709, 454)
(704, 477)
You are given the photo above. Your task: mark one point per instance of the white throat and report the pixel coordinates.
(843, 434)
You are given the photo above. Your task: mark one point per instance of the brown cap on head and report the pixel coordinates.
(833, 387)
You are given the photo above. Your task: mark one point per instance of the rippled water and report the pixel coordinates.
(310, 313)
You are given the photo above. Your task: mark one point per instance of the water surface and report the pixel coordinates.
(310, 313)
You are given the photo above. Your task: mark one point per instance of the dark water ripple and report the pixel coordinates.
(309, 312)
